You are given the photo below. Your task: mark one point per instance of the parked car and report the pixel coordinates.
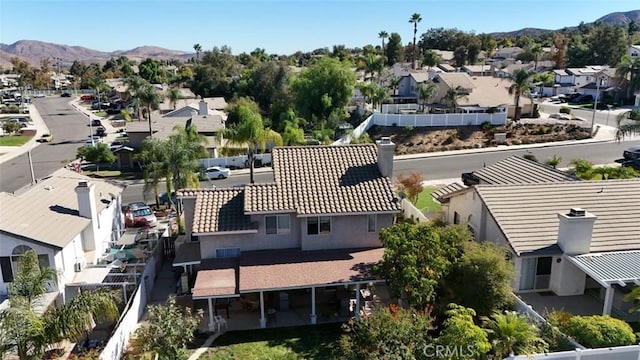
(164, 199)
(87, 97)
(140, 209)
(65, 94)
(96, 122)
(217, 172)
(46, 138)
(582, 99)
(39, 95)
(635, 164)
(101, 131)
(632, 153)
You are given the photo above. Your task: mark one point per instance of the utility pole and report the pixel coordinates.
(33, 176)
(595, 101)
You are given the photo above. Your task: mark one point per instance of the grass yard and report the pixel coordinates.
(14, 140)
(303, 342)
(425, 201)
(102, 173)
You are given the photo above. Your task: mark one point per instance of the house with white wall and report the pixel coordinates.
(408, 86)
(507, 52)
(67, 218)
(316, 226)
(633, 51)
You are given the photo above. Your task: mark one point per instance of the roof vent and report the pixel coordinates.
(576, 212)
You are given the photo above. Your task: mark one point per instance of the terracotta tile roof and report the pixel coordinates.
(267, 197)
(442, 194)
(331, 180)
(219, 210)
(518, 170)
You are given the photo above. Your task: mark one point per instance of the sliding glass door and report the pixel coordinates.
(535, 273)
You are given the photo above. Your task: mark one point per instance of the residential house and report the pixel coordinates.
(633, 51)
(567, 237)
(213, 103)
(508, 70)
(309, 230)
(445, 55)
(509, 52)
(446, 68)
(409, 84)
(478, 70)
(201, 107)
(67, 218)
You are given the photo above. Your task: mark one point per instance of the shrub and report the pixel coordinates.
(565, 110)
(11, 109)
(599, 331)
(530, 156)
(486, 126)
(408, 129)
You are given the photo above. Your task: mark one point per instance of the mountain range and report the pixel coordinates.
(34, 51)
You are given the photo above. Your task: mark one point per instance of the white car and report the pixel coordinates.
(39, 95)
(217, 172)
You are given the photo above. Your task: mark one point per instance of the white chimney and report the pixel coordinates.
(87, 208)
(575, 231)
(385, 156)
(203, 108)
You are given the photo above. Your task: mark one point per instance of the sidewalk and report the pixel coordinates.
(11, 152)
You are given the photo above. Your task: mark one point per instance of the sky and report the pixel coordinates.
(278, 26)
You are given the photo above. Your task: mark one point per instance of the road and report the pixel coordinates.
(603, 117)
(445, 167)
(68, 128)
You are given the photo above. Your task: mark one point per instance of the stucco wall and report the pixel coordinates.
(346, 232)
(566, 278)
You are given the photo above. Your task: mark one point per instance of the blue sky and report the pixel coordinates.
(279, 26)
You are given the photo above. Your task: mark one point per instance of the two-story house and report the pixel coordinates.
(316, 226)
(67, 218)
(408, 86)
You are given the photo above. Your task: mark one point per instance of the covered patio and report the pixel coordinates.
(288, 287)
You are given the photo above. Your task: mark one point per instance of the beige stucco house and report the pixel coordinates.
(316, 226)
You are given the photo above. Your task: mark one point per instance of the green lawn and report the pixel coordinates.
(15, 140)
(103, 173)
(101, 113)
(425, 201)
(303, 342)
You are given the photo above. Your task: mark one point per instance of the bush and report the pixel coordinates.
(486, 126)
(565, 110)
(11, 109)
(598, 331)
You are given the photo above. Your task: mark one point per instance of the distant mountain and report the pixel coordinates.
(34, 51)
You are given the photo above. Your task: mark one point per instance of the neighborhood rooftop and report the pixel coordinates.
(527, 214)
(48, 211)
(518, 170)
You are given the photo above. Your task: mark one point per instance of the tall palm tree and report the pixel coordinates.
(182, 165)
(536, 51)
(521, 85)
(150, 99)
(452, 95)
(629, 70)
(383, 35)
(154, 157)
(427, 91)
(198, 49)
(174, 94)
(134, 84)
(414, 19)
(628, 123)
(511, 333)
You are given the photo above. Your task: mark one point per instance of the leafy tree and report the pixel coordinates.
(216, 74)
(634, 297)
(607, 44)
(238, 106)
(521, 85)
(98, 154)
(416, 257)
(430, 59)
(511, 333)
(266, 84)
(460, 56)
(382, 35)
(473, 50)
(370, 64)
(394, 50)
(560, 42)
(544, 78)
(629, 71)
(184, 148)
(414, 19)
(462, 333)
(11, 127)
(323, 89)
(554, 161)
(452, 95)
(598, 331)
(582, 168)
(412, 184)
(169, 329)
(388, 333)
(481, 279)
(628, 123)
(152, 71)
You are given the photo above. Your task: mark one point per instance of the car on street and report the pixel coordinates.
(96, 122)
(39, 95)
(45, 138)
(140, 209)
(65, 94)
(87, 97)
(632, 153)
(582, 99)
(217, 172)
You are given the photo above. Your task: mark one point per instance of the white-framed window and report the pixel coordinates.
(277, 224)
(228, 253)
(372, 223)
(9, 264)
(318, 225)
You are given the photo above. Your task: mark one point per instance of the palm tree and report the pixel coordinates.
(634, 296)
(414, 19)
(582, 169)
(628, 123)
(154, 157)
(198, 49)
(603, 171)
(181, 163)
(134, 84)
(174, 94)
(427, 91)
(149, 99)
(430, 59)
(452, 95)
(371, 63)
(521, 86)
(383, 35)
(511, 333)
(623, 172)
(394, 82)
(536, 51)
(629, 70)
(378, 95)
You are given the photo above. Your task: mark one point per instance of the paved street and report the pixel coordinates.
(603, 117)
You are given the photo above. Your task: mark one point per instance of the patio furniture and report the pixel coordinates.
(271, 316)
(222, 304)
(220, 323)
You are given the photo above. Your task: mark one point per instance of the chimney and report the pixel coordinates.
(87, 208)
(575, 231)
(203, 108)
(385, 156)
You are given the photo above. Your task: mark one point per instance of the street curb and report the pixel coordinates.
(41, 128)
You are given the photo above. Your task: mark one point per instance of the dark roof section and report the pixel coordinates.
(220, 210)
(518, 170)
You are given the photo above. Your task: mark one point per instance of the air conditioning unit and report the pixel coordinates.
(77, 267)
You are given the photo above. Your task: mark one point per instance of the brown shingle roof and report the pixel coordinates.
(527, 214)
(219, 210)
(332, 179)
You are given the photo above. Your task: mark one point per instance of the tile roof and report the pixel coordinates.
(611, 267)
(527, 214)
(332, 179)
(48, 211)
(219, 210)
(518, 170)
(444, 192)
(456, 79)
(267, 197)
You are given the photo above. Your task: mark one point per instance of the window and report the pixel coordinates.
(535, 273)
(278, 224)
(372, 223)
(9, 265)
(318, 225)
(228, 253)
(456, 218)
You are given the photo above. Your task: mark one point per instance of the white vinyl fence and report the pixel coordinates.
(409, 211)
(398, 108)
(237, 162)
(631, 352)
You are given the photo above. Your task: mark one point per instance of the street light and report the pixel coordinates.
(608, 112)
(595, 101)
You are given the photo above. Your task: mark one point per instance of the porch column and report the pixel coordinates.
(357, 311)
(263, 320)
(313, 305)
(608, 301)
(211, 324)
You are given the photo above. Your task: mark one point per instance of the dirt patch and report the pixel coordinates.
(411, 140)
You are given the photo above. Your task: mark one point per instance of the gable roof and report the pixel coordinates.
(518, 170)
(443, 193)
(527, 214)
(48, 211)
(218, 210)
(455, 79)
(420, 77)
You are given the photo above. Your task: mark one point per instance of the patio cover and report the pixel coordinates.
(90, 275)
(215, 283)
(620, 267)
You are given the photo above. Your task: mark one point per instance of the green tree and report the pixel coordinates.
(473, 51)
(135, 84)
(460, 332)
(536, 51)
(388, 333)
(607, 44)
(511, 333)
(152, 71)
(154, 157)
(149, 99)
(394, 50)
(521, 85)
(168, 330)
(323, 89)
(382, 35)
(198, 50)
(582, 169)
(266, 84)
(416, 257)
(414, 19)
(371, 64)
(98, 154)
(554, 161)
(629, 71)
(460, 56)
(452, 96)
(598, 331)
(11, 127)
(426, 92)
(430, 59)
(185, 147)
(634, 298)
(628, 123)
(173, 94)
